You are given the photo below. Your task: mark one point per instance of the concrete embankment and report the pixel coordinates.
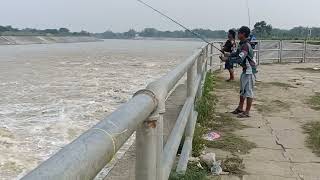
(21, 40)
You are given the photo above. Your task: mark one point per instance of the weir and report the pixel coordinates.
(144, 114)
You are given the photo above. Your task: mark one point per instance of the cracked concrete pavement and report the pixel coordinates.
(281, 153)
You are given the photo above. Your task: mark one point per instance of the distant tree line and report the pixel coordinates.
(261, 30)
(10, 31)
(152, 32)
(265, 31)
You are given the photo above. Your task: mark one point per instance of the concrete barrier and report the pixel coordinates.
(23, 40)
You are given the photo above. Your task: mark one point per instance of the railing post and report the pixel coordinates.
(280, 51)
(211, 57)
(160, 146)
(221, 63)
(258, 53)
(304, 51)
(189, 130)
(146, 149)
(199, 63)
(206, 58)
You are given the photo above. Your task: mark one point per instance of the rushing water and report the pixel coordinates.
(50, 94)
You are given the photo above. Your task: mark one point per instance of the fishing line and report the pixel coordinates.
(184, 27)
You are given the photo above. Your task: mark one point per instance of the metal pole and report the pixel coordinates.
(211, 58)
(280, 51)
(187, 147)
(304, 51)
(258, 54)
(221, 63)
(160, 146)
(206, 58)
(146, 149)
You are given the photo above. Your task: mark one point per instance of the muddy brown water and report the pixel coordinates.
(51, 93)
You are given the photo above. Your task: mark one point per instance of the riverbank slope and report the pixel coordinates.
(23, 40)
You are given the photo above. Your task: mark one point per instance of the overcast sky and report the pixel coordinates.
(121, 15)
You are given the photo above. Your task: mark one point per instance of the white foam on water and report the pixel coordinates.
(53, 93)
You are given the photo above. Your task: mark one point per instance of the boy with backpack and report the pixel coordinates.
(244, 57)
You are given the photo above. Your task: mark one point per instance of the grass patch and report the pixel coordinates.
(225, 124)
(233, 165)
(277, 84)
(313, 139)
(272, 106)
(221, 84)
(314, 101)
(232, 143)
(309, 70)
(193, 172)
(209, 120)
(314, 42)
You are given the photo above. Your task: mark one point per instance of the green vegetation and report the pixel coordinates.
(232, 143)
(234, 165)
(210, 120)
(261, 30)
(313, 139)
(314, 42)
(267, 107)
(277, 84)
(193, 172)
(10, 31)
(314, 101)
(310, 70)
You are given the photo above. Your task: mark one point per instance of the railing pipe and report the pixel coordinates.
(164, 85)
(280, 50)
(304, 51)
(146, 149)
(172, 145)
(211, 56)
(187, 145)
(87, 155)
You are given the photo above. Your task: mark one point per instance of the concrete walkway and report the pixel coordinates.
(279, 111)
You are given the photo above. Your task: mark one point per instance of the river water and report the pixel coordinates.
(51, 93)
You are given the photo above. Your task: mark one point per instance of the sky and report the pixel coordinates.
(121, 15)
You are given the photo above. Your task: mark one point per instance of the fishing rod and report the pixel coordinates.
(184, 27)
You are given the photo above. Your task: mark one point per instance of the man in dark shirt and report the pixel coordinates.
(228, 48)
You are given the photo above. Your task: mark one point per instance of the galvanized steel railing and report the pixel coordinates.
(84, 158)
(281, 48)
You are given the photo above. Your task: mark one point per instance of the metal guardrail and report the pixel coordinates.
(306, 47)
(84, 158)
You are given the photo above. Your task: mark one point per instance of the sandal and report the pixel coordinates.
(237, 111)
(244, 115)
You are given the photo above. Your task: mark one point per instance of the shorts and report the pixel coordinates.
(246, 85)
(228, 65)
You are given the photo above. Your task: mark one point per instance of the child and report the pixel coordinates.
(228, 48)
(244, 57)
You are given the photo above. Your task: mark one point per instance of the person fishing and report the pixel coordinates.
(244, 57)
(229, 47)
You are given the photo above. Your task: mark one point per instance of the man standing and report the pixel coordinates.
(229, 47)
(244, 57)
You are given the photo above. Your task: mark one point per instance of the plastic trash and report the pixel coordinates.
(211, 136)
(216, 168)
